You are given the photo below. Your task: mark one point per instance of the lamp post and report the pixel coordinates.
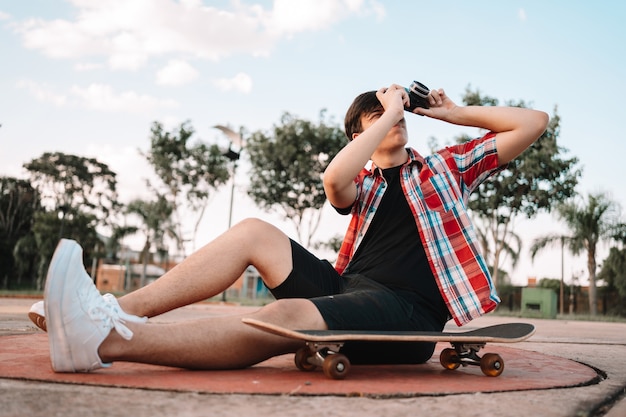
(235, 139)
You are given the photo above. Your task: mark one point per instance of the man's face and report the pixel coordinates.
(397, 135)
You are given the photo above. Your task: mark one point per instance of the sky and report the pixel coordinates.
(90, 77)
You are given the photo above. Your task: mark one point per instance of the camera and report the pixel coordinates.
(418, 95)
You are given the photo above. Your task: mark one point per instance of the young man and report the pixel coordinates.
(409, 260)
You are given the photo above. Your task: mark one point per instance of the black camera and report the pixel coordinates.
(418, 95)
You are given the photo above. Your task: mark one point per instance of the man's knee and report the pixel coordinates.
(257, 230)
(293, 313)
(255, 225)
(268, 249)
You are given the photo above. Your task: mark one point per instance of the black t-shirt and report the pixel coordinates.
(391, 252)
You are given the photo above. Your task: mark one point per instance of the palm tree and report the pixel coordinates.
(156, 218)
(589, 223)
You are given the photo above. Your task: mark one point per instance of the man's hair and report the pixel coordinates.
(364, 104)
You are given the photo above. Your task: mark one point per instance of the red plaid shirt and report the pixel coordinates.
(437, 188)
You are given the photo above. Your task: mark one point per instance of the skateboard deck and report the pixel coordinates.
(323, 346)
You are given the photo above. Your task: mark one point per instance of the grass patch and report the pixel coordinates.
(570, 317)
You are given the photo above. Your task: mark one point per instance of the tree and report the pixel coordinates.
(76, 225)
(188, 172)
(533, 182)
(19, 202)
(156, 223)
(24, 252)
(78, 195)
(511, 247)
(589, 223)
(112, 244)
(550, 283)
(613, 272)
(75, 183)
(287, 169)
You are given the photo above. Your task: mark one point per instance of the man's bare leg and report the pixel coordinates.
(216, 342)
(215, 267)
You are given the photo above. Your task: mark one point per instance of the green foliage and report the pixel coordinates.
(551, 283)
(19, 202)
(287, 168)
(590, 221)
(181, 165)
(156, 223)
(77, 195)
(188, 171)
(155, 216)
(613, 270)
(48, 228)
(74, 183)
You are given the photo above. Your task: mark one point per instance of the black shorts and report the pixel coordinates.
(355, 302)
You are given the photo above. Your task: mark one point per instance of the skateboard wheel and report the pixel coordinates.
(449, 359)
(491, 364)
(302, 360)
(336, 366)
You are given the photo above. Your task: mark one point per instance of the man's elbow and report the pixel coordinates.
(339, 195)
(535, 127)
(541, 123)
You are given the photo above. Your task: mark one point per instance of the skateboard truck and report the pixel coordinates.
(324, 355)
(491, 364)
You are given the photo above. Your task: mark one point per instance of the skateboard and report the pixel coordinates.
(323, 346)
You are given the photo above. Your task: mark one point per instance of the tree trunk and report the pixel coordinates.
(591, 266)
(145, 255)
(496, 266)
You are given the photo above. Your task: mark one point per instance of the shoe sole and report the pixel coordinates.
(60, 350)
(39, 320)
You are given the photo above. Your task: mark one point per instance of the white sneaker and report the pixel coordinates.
(78, 317)
(37, 313)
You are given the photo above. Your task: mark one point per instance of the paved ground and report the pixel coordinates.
(599, 345)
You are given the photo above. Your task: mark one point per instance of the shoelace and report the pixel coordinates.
(106, 311)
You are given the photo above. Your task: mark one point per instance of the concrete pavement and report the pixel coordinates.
(599, 345)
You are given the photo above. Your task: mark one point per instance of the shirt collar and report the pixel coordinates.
(414, 158)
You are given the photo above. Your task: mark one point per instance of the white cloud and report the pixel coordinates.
(289, 17)
(127, 33)
(378, 9)
(98, 97)
(521, 14)
(299, 16)
(176, 72)
(87, 66)
(58, 38)
(240, 82)
(4, 15)
(43, 92)
(104, 98)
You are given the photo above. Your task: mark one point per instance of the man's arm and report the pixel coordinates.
(516, 128)
(346, 165)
